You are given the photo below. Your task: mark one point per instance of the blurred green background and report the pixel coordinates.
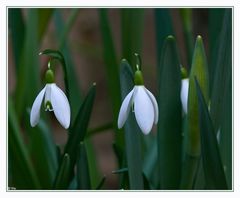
(93, 43)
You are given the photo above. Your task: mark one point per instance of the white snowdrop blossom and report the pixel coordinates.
(184, 94)
(144, 104)
(54, 100)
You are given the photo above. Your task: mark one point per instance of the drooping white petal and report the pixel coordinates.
(60, 104)
(155, 105)
(125, 108)
(35, 111)
(184, 94)
(144, 110)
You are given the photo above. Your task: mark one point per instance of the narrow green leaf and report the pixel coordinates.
(44, 16)
(23, 175)
(122, 170)
(170, 115)
(83, 177)
(186, 15)
(17, 33)
(150, 164)
(99, 129)
(100, 185)
(62, 179)
(189, 171)
(164, 27)
(221, 98)
(71, 19)
(132, 133)
(213, 169)
(28, 78)
(94, 171)
(63, 45)
(132, 21)
(112, 70)
(215, 23)
(78, 130)
(200, 70)
(43, 152)
(192, 149)
(146, 183)
(199, 180)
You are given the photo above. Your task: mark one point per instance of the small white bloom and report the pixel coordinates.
(184, 94)
(145, 108)
(54, 100)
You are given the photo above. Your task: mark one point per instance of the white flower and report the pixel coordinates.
(184, 94)
(145, 108)
(54, 100)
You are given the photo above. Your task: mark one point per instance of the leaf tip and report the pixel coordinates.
(170, 37)
(199, 38)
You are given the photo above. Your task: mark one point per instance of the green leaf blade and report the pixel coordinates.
(221, 97)
(132, 133)
(62, 179)
(70, 77)
(170, 114)
(78, 130)
(192, 143)
(164, 27)
(132, 21)
(111, 62)
(23, 175)
(200, 70)
(83, 176)
(212, 165)
(43, 153)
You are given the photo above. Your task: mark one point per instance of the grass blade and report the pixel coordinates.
(83, 177)
(43, 153)
(62, 179)
(215, 23)
(74, 91)
(23, 175)
(132, 133)
(112, 69)
(92, 163)
(101, 183)
(192, 149)
(17, 32)
(212, 165)
(170, 116)
(221, 98)
(29, 66)
(164, 27)
(150, 164)
(44, 16)
(78, 130)
(200, 70)
(132, 21)
(186, 15)
(63, 37)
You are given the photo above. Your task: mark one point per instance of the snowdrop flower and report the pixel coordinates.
(144, 104)
(184, 90)
(54, 100)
